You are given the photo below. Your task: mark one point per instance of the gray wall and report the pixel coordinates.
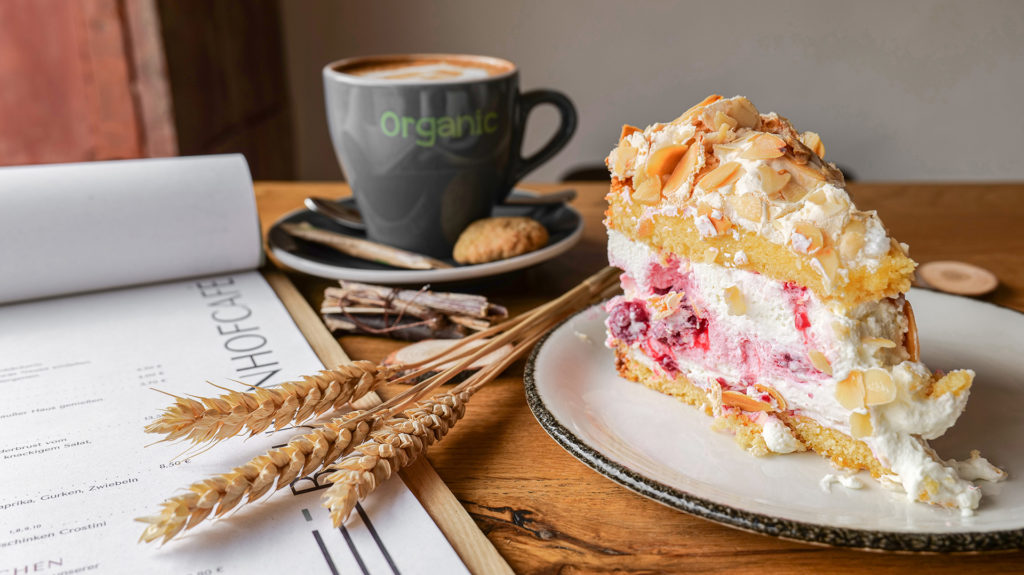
(926, 90)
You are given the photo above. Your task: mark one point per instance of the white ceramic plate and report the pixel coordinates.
(564, 225)
(665, 450)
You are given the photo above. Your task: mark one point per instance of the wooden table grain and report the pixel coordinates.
(546, 512)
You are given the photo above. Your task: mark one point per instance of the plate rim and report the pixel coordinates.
(750, 521)
(400, 276)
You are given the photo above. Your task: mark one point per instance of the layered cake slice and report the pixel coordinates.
(756, 290)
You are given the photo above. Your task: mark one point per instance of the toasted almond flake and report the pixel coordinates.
(792, 191)
(818, 197)
(764, 147)
(735, 301)
(745, 113)
(723, 149)
(878, 342)
(810, 240)
(860, 425)
(623, 158)
(744, 402)
(723, 120)
(829, 262)
(648, 192)
(664, 306)
(722, 224)
(689, 114)
(772, 181)
(879, 387)
(779, 400)
(718, 176)
(627, 130)
(813, 141)
(852, 240)
(710, 255)
(910, 338)
(686, 167)
(819, 361)
(850, 392)
(664, 160)
(805, 174)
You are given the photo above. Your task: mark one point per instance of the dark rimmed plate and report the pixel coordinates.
(664, 450)
(564, 225)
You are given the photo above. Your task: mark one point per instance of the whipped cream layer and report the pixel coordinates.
(731, 330)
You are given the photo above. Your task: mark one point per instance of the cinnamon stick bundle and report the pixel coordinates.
(409, 315)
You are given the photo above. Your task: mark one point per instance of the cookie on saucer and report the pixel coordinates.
(492, 239)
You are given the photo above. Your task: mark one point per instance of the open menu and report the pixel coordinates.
(77, 381)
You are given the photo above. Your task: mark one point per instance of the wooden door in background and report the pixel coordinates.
(110, 79)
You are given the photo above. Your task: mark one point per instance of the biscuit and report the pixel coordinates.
(493, 239)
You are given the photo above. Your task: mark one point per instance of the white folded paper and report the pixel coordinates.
(72, 228)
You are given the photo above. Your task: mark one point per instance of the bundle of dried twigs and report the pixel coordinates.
(406, 314)
(372, 444)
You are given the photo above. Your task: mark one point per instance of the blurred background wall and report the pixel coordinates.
(898, 90)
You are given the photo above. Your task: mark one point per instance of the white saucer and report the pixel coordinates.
(665, 450)
(564, 225)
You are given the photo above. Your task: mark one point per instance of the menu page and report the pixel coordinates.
(77, 381)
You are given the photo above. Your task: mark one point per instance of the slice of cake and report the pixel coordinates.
(755, 289)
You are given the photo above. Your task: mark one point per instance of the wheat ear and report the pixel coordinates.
(219, 494)
(203, 419)
(397, 444)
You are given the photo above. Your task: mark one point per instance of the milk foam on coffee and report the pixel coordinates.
(425, 70)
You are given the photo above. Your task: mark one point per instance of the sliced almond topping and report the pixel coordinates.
(818, 197)
(860, 425)
(745, 113)
(744, 402)
(689, 114)
(878, 386)
(772, 181)
(748, 207)
(807, 238)
(850, 392)
(852, 240)
(775, 395)
(664, 160)
(723, 120)
(910, 338)
(829, 263)
(806, 175)
(623, 158)
(735, 301)
(764, 147)
(648, 192)
(710, 255)
(819, 361)
(686, 167)
(627, 130)
(813, 141)
(718, 176)
(722, 149)
(792, 191)
(722, 224)
(878, 342)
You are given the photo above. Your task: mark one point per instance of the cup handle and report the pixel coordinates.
(558, 141)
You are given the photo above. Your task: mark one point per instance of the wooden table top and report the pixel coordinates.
(546, 512)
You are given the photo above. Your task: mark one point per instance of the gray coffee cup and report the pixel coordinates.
(426, 157)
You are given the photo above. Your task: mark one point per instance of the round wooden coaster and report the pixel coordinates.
(958, 277)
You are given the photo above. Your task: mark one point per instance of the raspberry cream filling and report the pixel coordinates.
(762, 347)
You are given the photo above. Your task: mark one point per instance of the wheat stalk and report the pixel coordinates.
(219, 494)
(202, 419)
(406, 434)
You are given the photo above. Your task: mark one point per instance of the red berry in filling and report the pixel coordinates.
(629, 322)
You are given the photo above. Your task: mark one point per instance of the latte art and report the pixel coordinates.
(414, 69)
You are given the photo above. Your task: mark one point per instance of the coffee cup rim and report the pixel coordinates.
(331, 69)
